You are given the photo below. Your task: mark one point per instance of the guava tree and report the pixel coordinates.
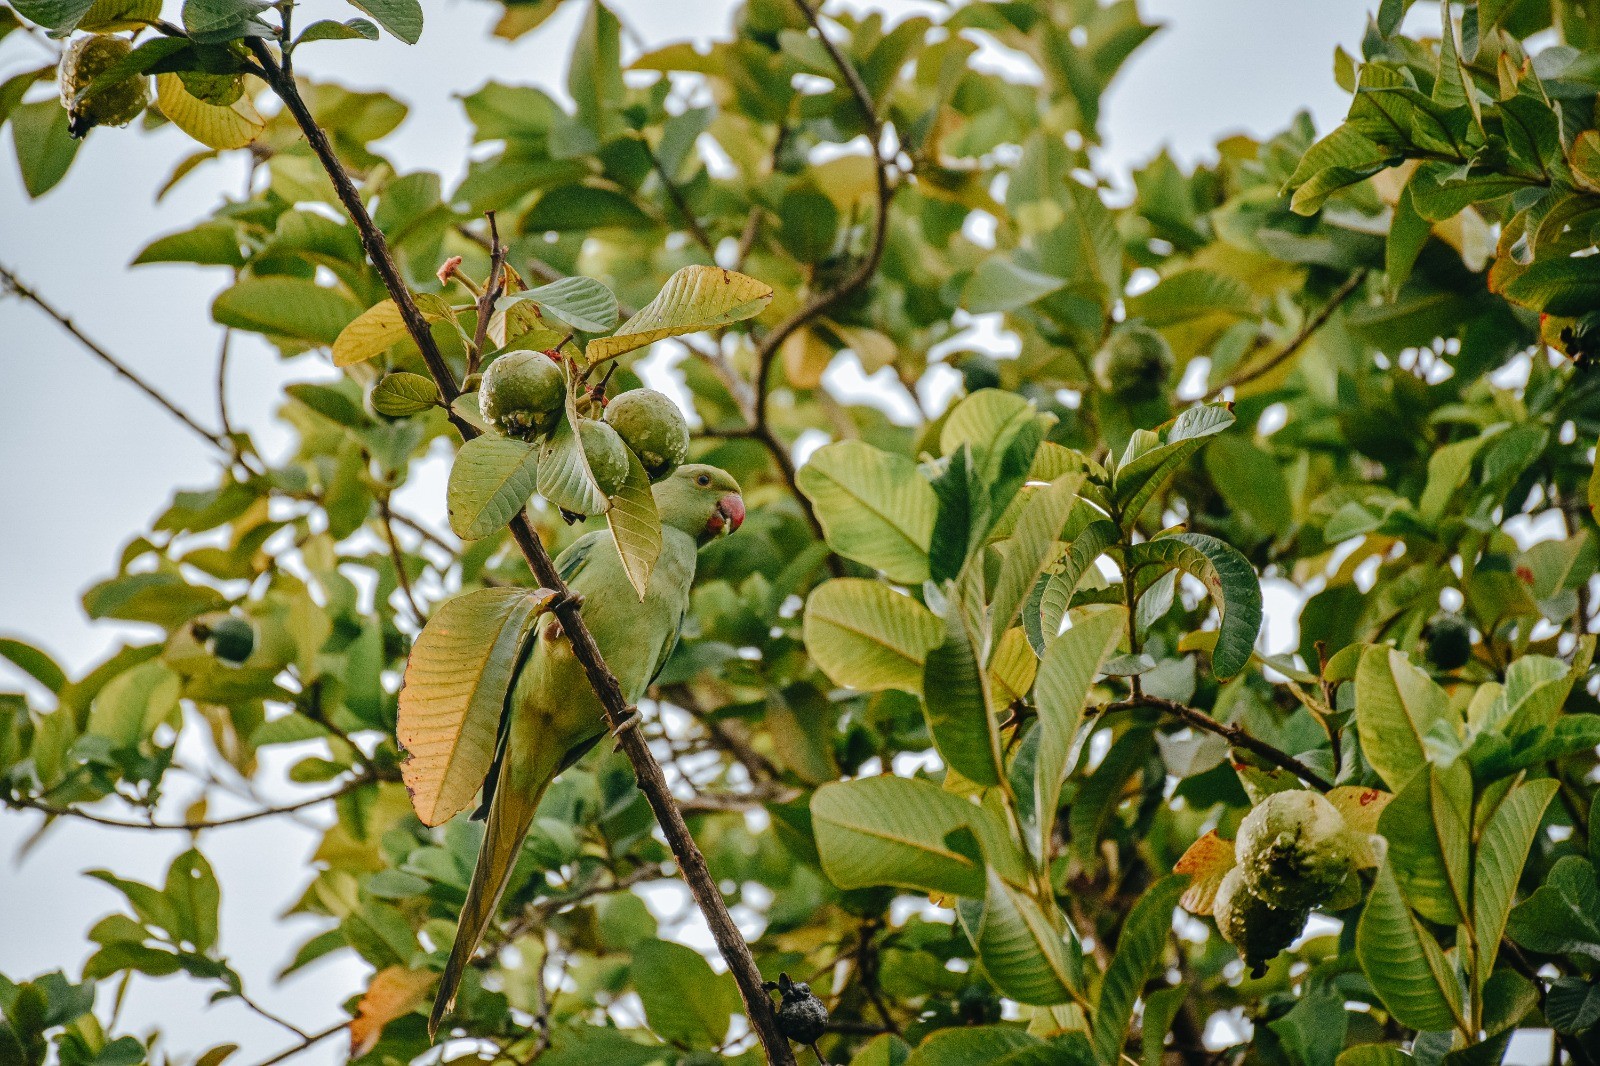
(975, 712)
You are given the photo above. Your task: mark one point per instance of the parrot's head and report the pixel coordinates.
(701, 500)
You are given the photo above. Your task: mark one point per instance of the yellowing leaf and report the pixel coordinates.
(1207, 860)
(379, 328)
(232, 126)
(693, 299)
(1012, 667)
(394, 992)
(805, 356)
(455, 684)
(636, 526)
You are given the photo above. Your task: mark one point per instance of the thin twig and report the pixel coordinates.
(309, 1042)
(1307, 331)
(730, 942)
(56, 810)
(397, 556)
(770, 344)
(9, 280)
(1236, 736)
(492, 288)
(679, 201)
(271, 1017)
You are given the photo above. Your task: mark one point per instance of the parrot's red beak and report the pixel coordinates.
(729, 514)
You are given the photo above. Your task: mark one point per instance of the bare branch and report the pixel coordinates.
(306, 1044)
(10, 281)
(1315, 322)
(679, 201)
(1236, 736)
(58, 811)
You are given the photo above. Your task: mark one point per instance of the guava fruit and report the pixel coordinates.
(227, 637)
(1294, 849)
(1448, 639)
(1135, 364)
(607, 455)
(522, 394)
(1251, 924)
(652, 426)
(116, 104)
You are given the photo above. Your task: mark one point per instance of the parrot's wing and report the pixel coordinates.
(570, 563)
(670, 645)
(510, 814)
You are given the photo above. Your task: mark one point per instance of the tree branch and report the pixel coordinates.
(679, 201)
(1236, 736)
(306, 1044)
(770, 344)
(730, 942)
(1307, 331)
(9, 280)
(57, 811)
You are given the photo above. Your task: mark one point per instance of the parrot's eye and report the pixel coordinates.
(703, 480)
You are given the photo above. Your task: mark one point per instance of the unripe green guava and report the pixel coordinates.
(116, 104)
(607, 455)
(651, 424)
(1251, 924)
(978, 371)
(522, 394)
(1135, 364)
(227, 637)
(1294, 849)
(1449, 641)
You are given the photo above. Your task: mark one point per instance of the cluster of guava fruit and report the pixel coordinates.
(1293, 853)
(524, 395)
(116, 103)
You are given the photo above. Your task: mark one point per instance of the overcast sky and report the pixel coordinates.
(86, 462)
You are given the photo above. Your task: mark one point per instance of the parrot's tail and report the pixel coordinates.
(510, 816)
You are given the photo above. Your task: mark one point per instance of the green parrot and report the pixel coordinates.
(552, 716)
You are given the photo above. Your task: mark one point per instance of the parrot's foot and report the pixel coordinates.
(630, 722)
(569, 599)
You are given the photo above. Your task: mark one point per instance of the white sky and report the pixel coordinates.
(86, 462)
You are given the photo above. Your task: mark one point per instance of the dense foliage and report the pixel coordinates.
(973, 712)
